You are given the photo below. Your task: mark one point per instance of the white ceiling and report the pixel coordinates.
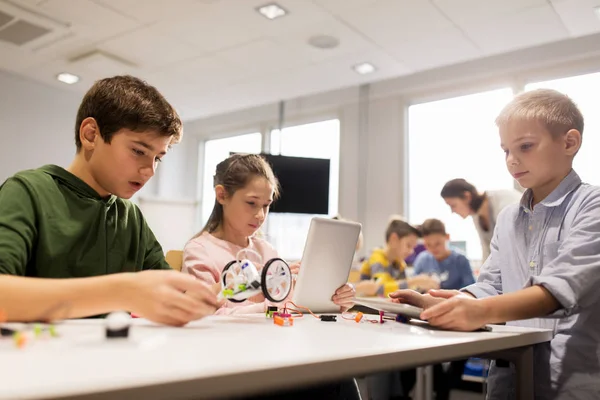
(213, 56)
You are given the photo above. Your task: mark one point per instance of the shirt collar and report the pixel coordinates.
(557, 196)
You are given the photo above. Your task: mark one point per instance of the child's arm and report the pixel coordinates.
(157, 295)
(567, 284)
(466, 314)
(18, 227)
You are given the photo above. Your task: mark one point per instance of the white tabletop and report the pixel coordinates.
(224, 356)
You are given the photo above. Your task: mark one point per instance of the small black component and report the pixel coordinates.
(7, 332)
(328, 318)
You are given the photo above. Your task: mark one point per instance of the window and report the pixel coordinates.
(216, 151)
(287, 232)
(585, 91)
(455, 138)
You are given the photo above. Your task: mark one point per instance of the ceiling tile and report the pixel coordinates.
(466, 11)
(350, 41)
(16, 59)
(215, 29)
(149, 11)
(262, 57)
(339, 7)
(578, 16)
(89, 19)
(444, 48)
(398, 20)
(530, 27)
(149, 48)
(65, 47)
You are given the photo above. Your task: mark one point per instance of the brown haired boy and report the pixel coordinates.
(77, 223)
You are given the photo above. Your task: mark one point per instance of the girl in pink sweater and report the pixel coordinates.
(245, 187)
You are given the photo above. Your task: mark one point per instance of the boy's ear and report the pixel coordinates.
(572, 142)
(88, 132)
(220, 193)
(447, 236)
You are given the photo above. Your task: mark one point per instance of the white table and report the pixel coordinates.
(227, 356)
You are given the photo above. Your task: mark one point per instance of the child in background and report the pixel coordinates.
(544, 268)
(245, 187)
(452, 268)
(385, 270)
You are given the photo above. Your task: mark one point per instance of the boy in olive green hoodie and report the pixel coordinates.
(77, 222)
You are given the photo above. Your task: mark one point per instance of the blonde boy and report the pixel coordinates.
(544, 266)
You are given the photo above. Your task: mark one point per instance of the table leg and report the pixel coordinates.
(424, 383)
(524, 367)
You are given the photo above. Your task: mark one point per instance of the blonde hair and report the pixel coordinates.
(234, 173)
(554, 110)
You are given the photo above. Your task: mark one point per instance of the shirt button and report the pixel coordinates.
(532, 264)
(530, 227)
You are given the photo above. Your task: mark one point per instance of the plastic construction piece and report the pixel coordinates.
(271, 310)
(381, 313)
(328, 318)
(283, 319)
(402, 319)
(117, 325)
(20, 339)
(241, 279)
(7, 332)
(358, 317)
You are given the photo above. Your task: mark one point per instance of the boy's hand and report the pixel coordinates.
(169, 297)
(461, 313)
(414, 298)
(344, 297)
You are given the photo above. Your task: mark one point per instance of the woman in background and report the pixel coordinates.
(464, 200)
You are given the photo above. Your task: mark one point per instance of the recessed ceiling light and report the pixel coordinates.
(324, 42)
(271, 11)
(364, 68)
(67, 78)
(597, 11)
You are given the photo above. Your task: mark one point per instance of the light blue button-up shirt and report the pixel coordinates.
(557, 245)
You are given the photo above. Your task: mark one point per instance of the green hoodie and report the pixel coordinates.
(53, 225)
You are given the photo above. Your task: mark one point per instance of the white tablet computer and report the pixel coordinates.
(380, 304)
(326, 263)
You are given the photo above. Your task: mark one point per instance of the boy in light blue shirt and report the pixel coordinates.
(452, 268)
(544, 266)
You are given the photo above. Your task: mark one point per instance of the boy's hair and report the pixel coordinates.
(554, 110)
(401, 228)
(126, 102)
(433, 226)
(234, 173)
(458, 187)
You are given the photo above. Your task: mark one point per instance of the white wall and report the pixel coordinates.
(373, 126)
(36, 125)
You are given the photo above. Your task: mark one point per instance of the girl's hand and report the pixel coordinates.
(344, 297)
